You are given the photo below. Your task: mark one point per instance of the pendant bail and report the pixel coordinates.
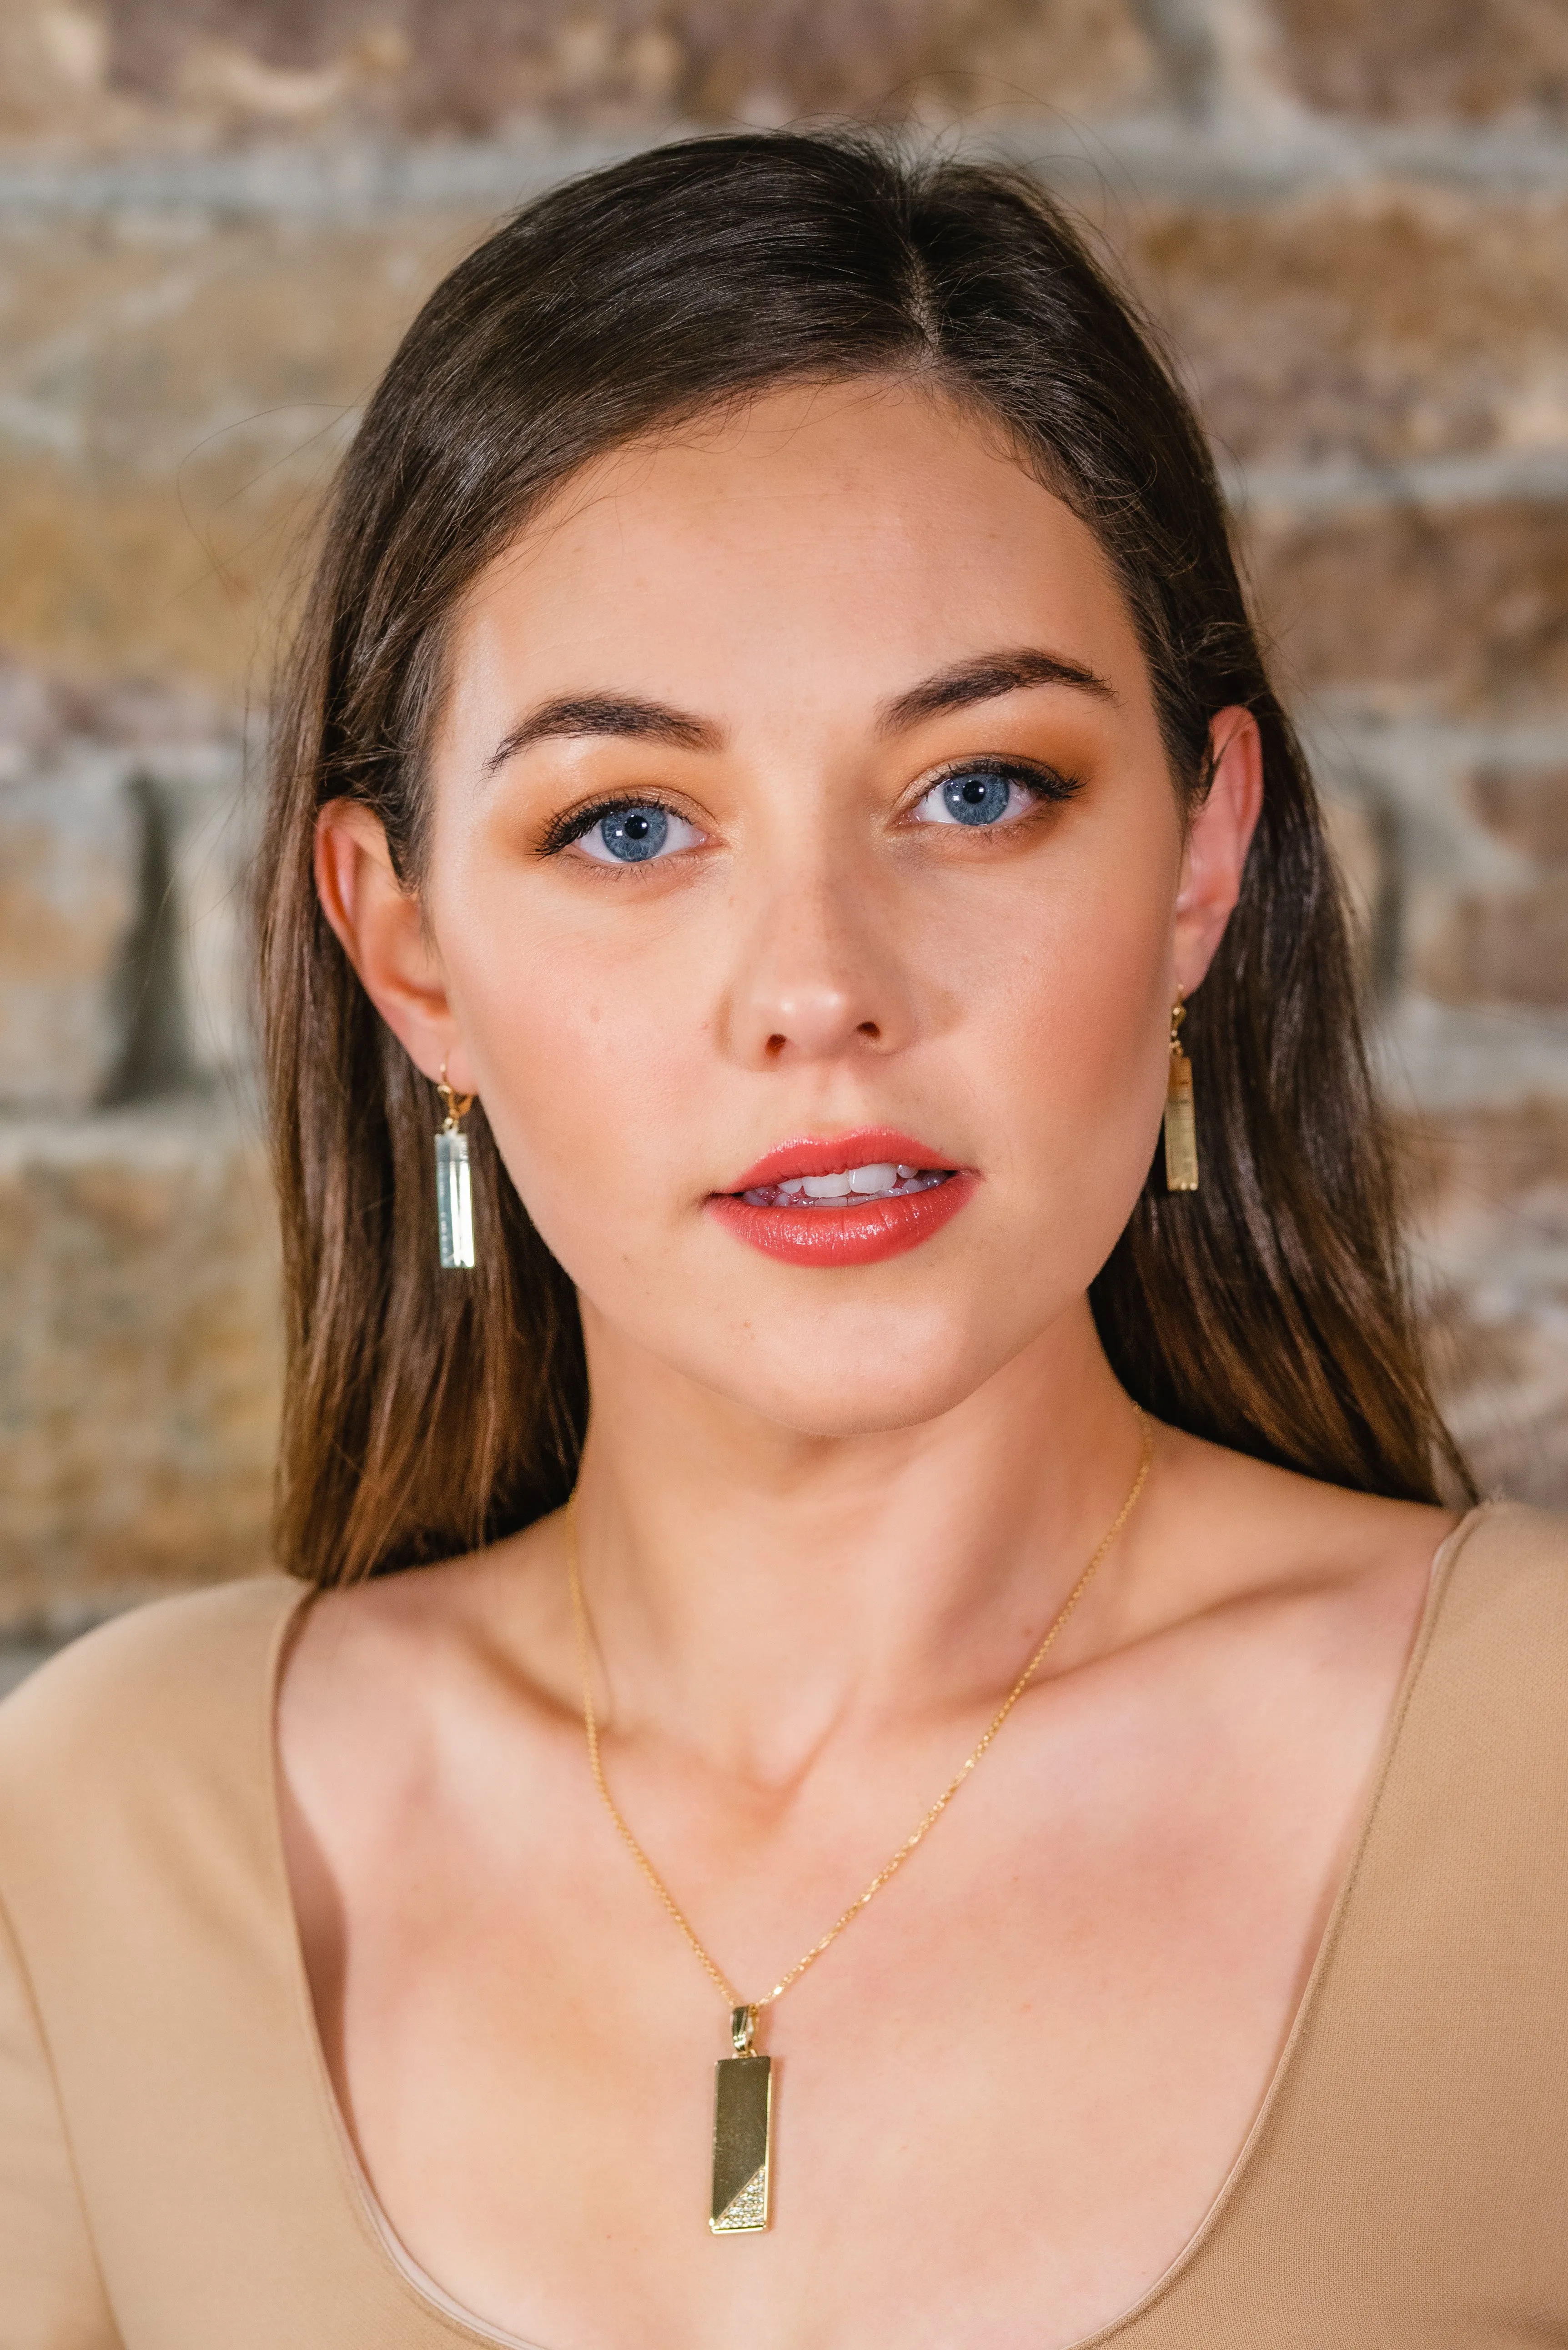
(743, 2028)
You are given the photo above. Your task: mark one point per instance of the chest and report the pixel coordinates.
(1003, 2099)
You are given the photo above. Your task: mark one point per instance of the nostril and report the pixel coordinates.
(774, 1047)
(869, 1028)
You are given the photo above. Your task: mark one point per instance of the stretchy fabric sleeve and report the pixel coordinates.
(54, 2297)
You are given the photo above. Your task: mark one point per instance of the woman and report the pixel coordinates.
(779, 773)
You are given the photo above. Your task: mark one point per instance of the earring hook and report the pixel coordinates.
(456, 1107)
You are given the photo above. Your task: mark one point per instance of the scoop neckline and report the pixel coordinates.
(436, 2304)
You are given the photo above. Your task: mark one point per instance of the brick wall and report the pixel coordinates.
(215, 218)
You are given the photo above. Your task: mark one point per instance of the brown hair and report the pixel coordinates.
(427, 1411)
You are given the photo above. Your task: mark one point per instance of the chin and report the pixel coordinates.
(806, 1354)
(803, 1409)
(861, 1382)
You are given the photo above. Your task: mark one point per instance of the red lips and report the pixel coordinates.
(855, 1231)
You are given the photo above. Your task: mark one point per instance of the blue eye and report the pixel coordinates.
(634, 832)
(979, 796)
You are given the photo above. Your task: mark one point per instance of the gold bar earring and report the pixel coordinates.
(454, 1196)
(1180, 1130)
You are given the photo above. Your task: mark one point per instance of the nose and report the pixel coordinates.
(816, 976)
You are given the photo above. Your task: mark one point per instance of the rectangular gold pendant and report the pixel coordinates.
(1180, 1129)
(743, 2134)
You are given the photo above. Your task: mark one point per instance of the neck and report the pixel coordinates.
(755, 1593)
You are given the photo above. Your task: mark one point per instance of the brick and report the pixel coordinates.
(122, 952)
(1366, 325)
(214, 69)
(113, 582)
(32, 716)
(864, 57)
(1446, 610)
(41, 713)
(207, 811)
(1361, 850)
(139, 1359)
(1484, 1177)
(1500, 946)
(1527, 807)
(171, 405)
(1457, 60)
(70, 876)
(53, 66)
(1491, 1200)
(1499, 1366)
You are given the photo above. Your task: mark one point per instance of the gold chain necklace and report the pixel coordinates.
(742, 2112)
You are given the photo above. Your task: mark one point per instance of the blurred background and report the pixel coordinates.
(216, 217)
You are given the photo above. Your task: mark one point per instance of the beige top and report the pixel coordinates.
(175, 2174)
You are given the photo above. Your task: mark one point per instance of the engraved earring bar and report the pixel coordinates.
(1181, 1128)
(454, 1194)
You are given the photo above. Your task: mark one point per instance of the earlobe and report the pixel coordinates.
(1217, 840)
(380, 927)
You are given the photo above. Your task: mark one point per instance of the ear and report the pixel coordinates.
(381, 929)
(1217, 843)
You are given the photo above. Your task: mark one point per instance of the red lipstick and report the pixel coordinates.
(851, 1199)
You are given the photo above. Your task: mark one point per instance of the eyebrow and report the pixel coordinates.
(981, 680)
(605, 713)
(984, 680)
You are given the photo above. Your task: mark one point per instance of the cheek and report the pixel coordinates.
(587, 1072)
(1088, 1011)
(1076, 1051)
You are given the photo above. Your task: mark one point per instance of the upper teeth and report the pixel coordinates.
(844, 1183)
(864, 1181)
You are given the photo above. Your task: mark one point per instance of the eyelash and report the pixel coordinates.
(1046, 783)
(577, 821)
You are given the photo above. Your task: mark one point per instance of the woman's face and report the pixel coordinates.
(800, 812)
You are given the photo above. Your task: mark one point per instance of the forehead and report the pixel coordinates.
(848, 535)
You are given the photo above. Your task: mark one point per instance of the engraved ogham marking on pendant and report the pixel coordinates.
(743, 2133)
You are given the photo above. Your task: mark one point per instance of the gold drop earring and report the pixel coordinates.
(1180, 1130)
(454, 1196)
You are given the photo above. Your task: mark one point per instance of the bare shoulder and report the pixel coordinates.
(381, 1667)
(1239, 1536)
